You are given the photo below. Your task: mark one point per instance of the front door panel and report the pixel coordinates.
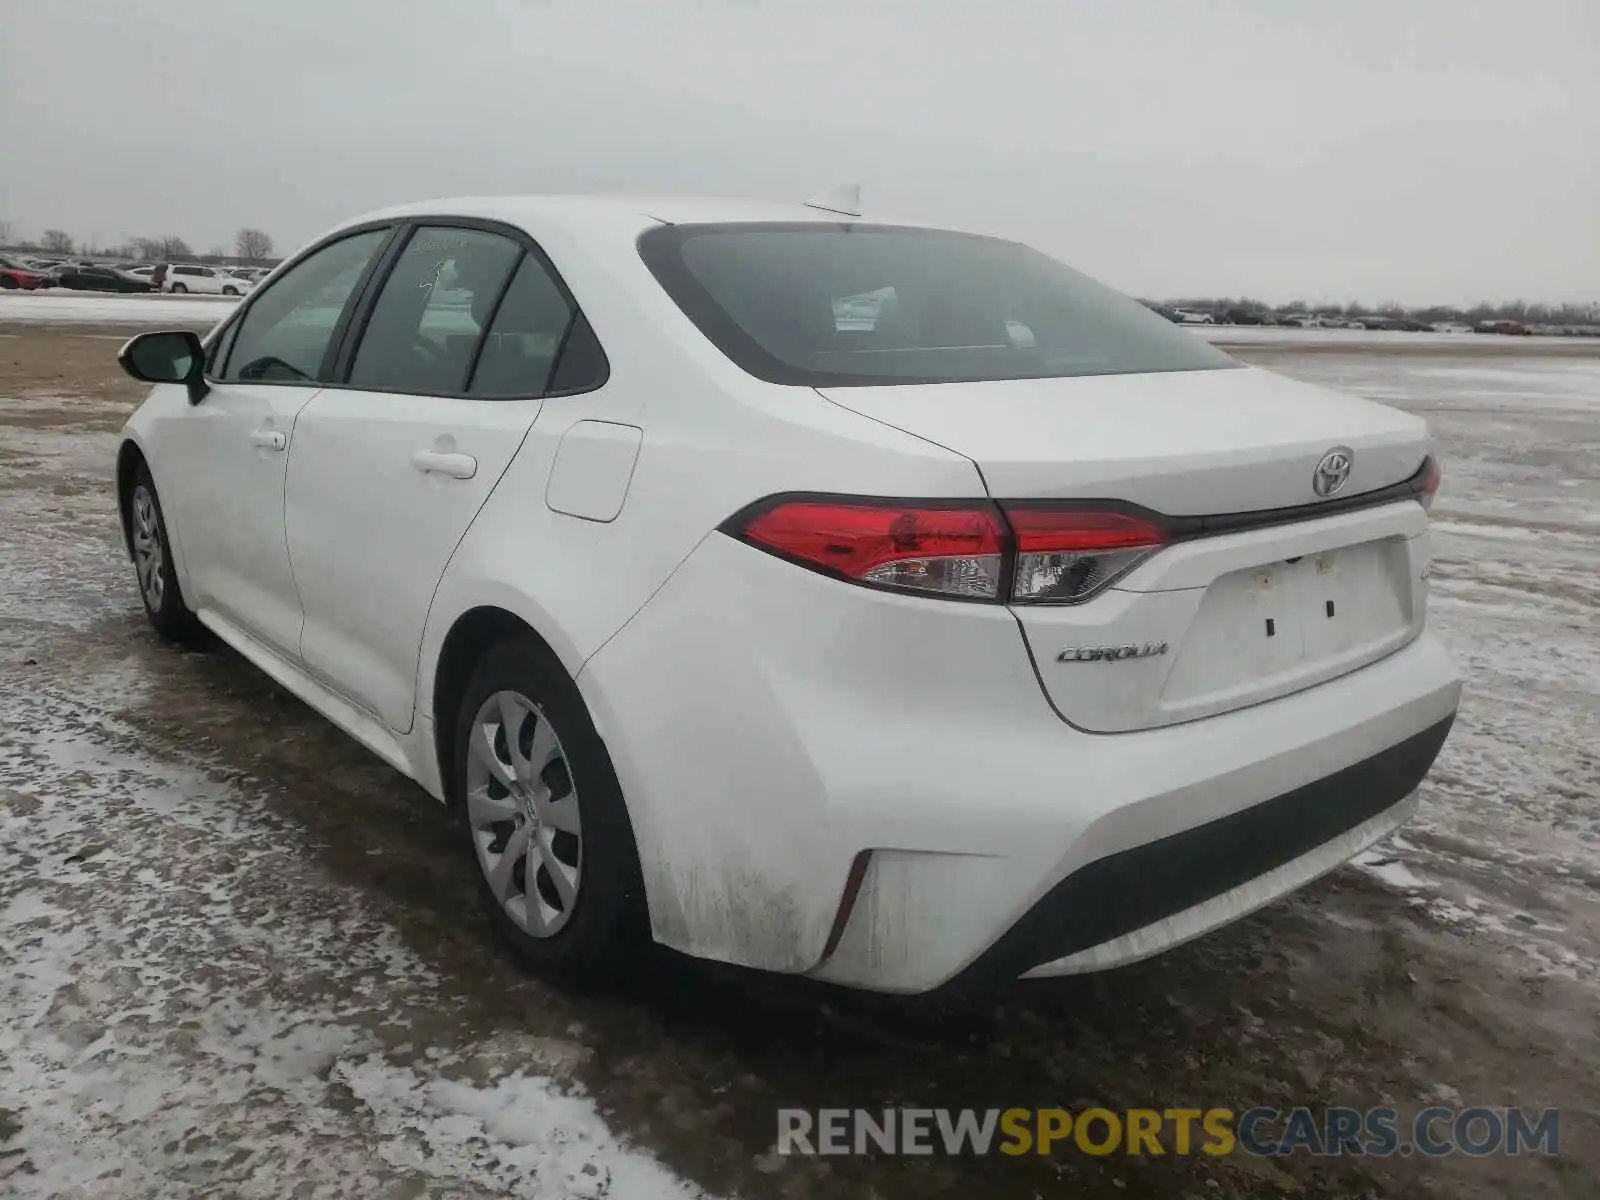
(232, 451)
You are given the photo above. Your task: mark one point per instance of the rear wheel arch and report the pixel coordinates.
(472, 635)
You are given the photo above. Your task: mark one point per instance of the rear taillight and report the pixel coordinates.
(1430, 482)
(956, 551)
(1066, 555)
(968, 550)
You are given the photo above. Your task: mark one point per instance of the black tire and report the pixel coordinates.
(230, 291)
(7, 282)
(179, 289)
(169, 615)
(607, 929)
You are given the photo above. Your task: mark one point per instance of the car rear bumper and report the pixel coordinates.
(1188, 883)
(871, 788)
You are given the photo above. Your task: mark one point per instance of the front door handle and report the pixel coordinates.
(269, 439)
(440, 462)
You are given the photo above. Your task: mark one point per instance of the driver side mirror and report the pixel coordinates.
(174, 356)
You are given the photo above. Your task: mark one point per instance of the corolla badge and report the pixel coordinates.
(1111, 653)
(1333, 472)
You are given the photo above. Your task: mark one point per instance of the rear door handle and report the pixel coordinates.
(440, 462)
(269, 439)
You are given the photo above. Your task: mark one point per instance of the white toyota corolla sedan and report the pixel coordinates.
(879, 603)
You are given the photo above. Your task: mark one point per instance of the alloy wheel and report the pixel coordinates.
(522, 806)
(149, 555)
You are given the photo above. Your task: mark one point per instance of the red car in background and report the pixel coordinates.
(14, 275)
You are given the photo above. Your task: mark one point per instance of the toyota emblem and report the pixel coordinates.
(1333, 472)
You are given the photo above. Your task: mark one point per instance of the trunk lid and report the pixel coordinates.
(1214, 623)
(1181, 442)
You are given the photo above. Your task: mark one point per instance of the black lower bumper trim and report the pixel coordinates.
(1134, 888)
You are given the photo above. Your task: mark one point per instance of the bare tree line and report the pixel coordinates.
(247, 243)
(1484, 310)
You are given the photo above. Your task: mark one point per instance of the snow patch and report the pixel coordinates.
(1392, 871)
(91, 308)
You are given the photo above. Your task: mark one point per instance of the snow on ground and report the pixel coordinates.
(220, 1008)
(53, 306)
(264, 1012)
(1331, 339)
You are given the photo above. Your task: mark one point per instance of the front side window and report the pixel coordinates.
(821, 304)
(285, 332)
(434, 304)
(217, 354)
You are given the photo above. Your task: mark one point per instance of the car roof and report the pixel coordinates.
(638, 211)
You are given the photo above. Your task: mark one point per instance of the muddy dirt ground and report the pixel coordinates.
(239, 957)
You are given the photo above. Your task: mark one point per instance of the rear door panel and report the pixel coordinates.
(373, 512)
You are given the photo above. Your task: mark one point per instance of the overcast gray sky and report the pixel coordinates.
(1321, 149)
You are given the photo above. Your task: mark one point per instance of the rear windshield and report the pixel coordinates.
(844, 305)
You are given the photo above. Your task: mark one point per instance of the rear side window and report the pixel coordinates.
(821, 304)
(434, 305)
(527, 338)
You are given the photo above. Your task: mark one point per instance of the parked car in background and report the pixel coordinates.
(205, 281)
(913, 657)
(1243, 316)
(1188, 316)
(17, 275)
(92, 278)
